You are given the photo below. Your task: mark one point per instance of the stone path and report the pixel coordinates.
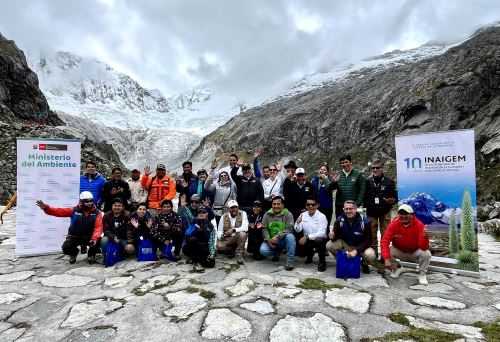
(46, 299)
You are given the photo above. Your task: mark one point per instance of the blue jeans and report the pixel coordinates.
(286, 242)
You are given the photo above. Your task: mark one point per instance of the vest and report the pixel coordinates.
(227, 221)
(352, 234)
(81, 225)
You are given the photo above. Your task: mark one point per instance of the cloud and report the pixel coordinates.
(249, 49)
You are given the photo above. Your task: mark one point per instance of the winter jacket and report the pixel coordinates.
(84, 224)
(117, 226)
(295, 195)
(107, 197)
(406, 239)
(93, 183)
(376, 191)
(159, 232)
(277, 224)
(192, 179)
(189, 215)
(223, 192)
(138, 193)
(198, 187)
(158, 190)
(357, 234)
(248, 189)
(324, 196)
(350, 187)
(205, 233)
(143, 229)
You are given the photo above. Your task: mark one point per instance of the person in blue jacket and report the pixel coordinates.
(325, 197)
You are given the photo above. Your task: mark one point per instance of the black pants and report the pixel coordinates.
(70, 245)
(198, 251)
(339, 209)
(328, 212)
(255, 239)
(177, 239)
(309, 248)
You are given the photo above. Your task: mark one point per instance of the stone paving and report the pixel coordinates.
(45, 298)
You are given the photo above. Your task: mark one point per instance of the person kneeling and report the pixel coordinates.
(278, 233)
(232, 232)
(410, 242)
(116, 228)
(352, 233)
(85, 228)
(200, 241)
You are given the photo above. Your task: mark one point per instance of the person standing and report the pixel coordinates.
(93, 182)
(185, 182)
(138, 193)
(296, 191)
(249, 188)
(324, 196)
(380, 196)
(160, 187)
(224, 190)
(272, 186)
(115, 188)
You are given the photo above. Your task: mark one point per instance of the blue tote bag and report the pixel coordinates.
(348, 267)
(145, 251)
(113, 253)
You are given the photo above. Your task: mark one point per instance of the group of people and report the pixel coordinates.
(269, 212)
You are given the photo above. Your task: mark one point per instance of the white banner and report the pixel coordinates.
(49, 170)
(437, 177)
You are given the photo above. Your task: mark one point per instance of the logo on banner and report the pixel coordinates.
(50, 147)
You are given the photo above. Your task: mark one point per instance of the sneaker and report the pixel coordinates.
(321, 267)
(395, 273)
(275, 257)
(309, 259)
(83, 249)
(422, 279)
(365, 269)
(198, 268)
(289, 265)
(91, 260)
(240, 260)
(72, 259)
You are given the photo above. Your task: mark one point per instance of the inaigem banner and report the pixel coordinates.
(49, 170)
(437, 177)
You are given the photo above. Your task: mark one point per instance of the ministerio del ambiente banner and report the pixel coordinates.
(437, 177)
(49, 170)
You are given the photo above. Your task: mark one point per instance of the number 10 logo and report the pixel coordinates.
(414, 163)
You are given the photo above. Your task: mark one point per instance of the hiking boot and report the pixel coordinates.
(289, 265)
(365, 269)
(230, 255)
(309, 259)
(198, 268)
(91, 260)
(322, 267)
(83, 249)
(72, 259)
(395, 273)
(240, 260)
(422, 279)
(189, 261)
(275, 257)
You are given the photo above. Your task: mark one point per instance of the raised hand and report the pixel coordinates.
(147, 170)
(184, 184)
(183, 201)
(206, 202)
(256, 153)
(214, 164)
(41, 205)
(149, 223)
(175, 176)
(240, 162)
(279, 167)
(134, 223)
(335, 176)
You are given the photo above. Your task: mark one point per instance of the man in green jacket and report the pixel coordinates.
(278, 232)
(350, 185)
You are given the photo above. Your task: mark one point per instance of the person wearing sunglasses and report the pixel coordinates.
(380, 196)
(224, 190)
(85, 227)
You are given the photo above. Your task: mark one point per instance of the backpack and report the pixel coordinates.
(113, 253)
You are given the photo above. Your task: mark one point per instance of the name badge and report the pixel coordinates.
(377, 200)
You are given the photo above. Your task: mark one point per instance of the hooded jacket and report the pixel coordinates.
(86, 224)
(277, 224)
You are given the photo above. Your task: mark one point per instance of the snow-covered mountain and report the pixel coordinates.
(144, 126)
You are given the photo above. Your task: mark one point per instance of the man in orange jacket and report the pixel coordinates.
(85, 227)
(160, 187)
(410, 242)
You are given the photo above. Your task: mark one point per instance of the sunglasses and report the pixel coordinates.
(202, 212)
(376, 167)
(196, 202)
(87, 201)
(310, 204)
(273, 169)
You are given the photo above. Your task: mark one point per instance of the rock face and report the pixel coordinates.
(362, 113)
(20, 102)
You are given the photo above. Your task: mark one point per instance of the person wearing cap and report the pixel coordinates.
(138, 193)
(185, 182)
(273, 186)
(160, 187)
(296, 189)
(254, 233)
(410, 242)
(167, 230)
(224, 190)
(85, 226)
(350, 185)
(199, 187)
(232, 232)
(114, 188)
(352, 233)
(289, 169)
(248, 187)
(277, 233)
(116, 228)
(380, 196)
(313, 224)
(200, 241)
(92, 181)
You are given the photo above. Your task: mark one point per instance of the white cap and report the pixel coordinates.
(405, 207)
(300, 170)
(86, 195)
(232, 203)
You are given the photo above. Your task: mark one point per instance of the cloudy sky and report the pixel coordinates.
(245, 48)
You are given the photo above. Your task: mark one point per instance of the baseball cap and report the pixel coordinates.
(202, 208)
(160, 167)
(257, 203)
(201, 171)
(232, 203)
(195, 197)
(299, 171)
(136, 170)
(405, 207)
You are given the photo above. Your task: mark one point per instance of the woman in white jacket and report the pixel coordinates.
(273, 186)
(224, 190)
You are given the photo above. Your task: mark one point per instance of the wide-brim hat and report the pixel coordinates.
(291, 164)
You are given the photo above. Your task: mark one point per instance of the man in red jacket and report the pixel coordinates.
(410, 242)
(85, 227)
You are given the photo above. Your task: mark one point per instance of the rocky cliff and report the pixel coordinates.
(363, 112)
(20, 102)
